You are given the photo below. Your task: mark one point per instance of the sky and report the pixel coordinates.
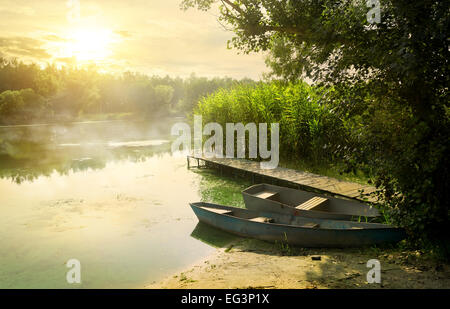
(154, 37)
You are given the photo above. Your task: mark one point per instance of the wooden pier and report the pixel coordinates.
(285, 177)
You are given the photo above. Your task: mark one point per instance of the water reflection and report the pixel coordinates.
(29, 152)
(116, 202)
(212, 236)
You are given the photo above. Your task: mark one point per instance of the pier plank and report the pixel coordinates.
(300, 178)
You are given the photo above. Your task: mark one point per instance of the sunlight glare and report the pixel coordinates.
(88, 45)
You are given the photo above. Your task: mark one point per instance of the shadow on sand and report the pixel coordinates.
(322, 267)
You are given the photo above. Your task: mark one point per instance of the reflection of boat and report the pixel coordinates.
(211, 236)
(295, 230)
(265, 197)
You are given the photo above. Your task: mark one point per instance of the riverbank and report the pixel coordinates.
(247, 263)
(91, 119)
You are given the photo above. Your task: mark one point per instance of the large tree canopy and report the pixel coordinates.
(333, 41)
(391, 78)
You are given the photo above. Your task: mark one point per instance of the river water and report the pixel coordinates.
(110, 195)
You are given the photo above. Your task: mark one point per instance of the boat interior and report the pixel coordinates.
(283, 219)
(304, 200)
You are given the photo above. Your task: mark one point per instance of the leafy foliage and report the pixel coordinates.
(390, 87)
(310, 130)
(30, 94)
(22, 106)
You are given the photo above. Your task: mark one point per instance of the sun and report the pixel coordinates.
(88, 45)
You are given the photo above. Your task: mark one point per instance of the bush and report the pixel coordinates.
(410, 162)
(22, 106)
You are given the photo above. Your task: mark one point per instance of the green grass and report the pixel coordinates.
(220, 190)
(333, 171)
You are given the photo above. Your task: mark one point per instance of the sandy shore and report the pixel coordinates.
(247, 263)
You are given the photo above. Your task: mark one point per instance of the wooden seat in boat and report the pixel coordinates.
(219, 211)
(262, 219)
(312, 203)
(266, 194)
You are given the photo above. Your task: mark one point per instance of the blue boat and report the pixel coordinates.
(295, 230)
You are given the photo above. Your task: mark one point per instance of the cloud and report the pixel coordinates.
(67, 60)
(54, 38)
(147, 36)
(23, 46)
(124, 34)
(17, 11)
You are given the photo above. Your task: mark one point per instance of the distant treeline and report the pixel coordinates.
(31, 94)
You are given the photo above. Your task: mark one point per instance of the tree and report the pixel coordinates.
(163, 95)
(22, 106)
(397, 69)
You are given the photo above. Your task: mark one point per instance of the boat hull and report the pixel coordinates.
(295, 235)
